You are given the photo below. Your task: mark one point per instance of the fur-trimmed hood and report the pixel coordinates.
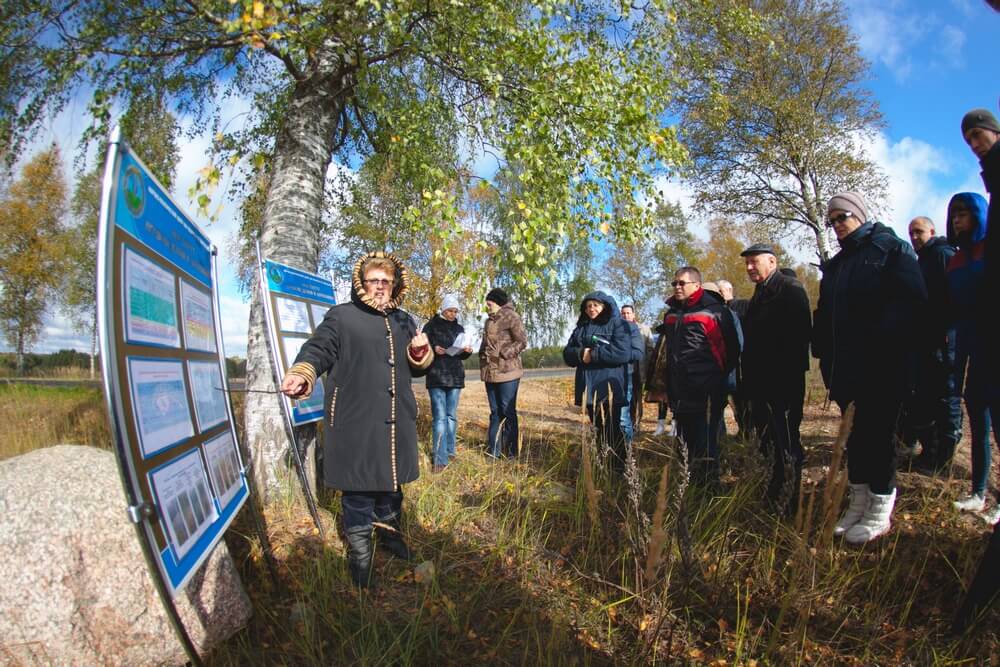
(610, 308)
(399, 288)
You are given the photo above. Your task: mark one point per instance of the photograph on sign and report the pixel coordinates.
(196, 309)
(223, 467)
(184, 502)
(150, 302)
(293, 315)
(160, 404)
(318, 312)
(209, 395)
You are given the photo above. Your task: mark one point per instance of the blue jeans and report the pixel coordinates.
(444, 408)
(502, 435)
(626, 419)
(981, 421)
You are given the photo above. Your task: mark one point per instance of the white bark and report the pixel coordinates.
(290, 234)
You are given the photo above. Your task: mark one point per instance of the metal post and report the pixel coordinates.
(300, 467)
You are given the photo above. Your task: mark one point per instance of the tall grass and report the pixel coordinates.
(553, 558)
(34, 417)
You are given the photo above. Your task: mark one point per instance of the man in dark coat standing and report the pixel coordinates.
(933, 413)
(777, 327)
(869, 299)
(981, 132)
(370, 350)
(702, 349)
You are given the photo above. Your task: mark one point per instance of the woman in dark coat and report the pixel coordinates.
(446, 377)
(600, 349)
(370, 350)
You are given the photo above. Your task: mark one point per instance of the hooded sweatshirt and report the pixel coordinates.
(966, 287)
(610, 341)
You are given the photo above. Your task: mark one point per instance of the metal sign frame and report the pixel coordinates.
(321, 293)
(146, 240)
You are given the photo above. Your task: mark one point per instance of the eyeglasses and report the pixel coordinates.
(839, 219)
(378, 282)
(682, 283)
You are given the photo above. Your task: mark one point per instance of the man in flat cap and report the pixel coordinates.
(870, 297)
(776, 330)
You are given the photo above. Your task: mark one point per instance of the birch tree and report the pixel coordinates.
(777, 119)
(573, 92)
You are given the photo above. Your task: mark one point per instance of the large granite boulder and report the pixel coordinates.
(74, 586)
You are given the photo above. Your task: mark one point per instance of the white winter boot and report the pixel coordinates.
(855, 509)
(876, 520)
(661, 427)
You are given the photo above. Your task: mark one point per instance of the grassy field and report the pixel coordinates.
(552, 559)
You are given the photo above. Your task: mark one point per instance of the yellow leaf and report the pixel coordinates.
(258, 9)
(605, 228)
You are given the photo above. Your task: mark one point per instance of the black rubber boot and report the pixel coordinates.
(390, 538)
(359, 556)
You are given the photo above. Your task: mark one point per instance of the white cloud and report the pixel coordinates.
(887, 35)
(951, 41)
(922, 179)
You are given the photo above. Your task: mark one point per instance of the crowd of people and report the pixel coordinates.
(900, 331)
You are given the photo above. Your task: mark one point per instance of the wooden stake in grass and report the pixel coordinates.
(836, 480)
(588, 484)
(658, 536)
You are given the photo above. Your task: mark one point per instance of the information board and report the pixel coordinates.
(164, 369)
(295, 302)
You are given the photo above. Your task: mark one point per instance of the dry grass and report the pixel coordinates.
(524, 574)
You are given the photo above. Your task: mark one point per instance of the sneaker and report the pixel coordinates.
(972, 502)
(991, 516)
(661, 427)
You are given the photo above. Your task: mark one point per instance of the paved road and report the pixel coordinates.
(237, 384)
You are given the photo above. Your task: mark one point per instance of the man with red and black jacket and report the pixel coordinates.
(702, 349)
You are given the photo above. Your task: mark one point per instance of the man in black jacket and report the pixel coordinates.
(933, 412)
(370, 350)
(870, 296)
(776, 332)
(702, 348)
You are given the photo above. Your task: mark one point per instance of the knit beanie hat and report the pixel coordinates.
(983, 118)
(450, 301)
(851, 202)
(498, 296)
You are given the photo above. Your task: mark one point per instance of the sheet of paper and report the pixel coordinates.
(184, 501)
(318, 312)
(207, 391)
(293, 315)
(150, 302)
(160, 404)
(460, 342)
(196, 309)
(223, 467)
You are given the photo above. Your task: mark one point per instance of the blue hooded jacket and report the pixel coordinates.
(610, 342)
(966, 286)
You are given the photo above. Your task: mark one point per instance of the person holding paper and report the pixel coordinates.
(446, 377)
(370, 350)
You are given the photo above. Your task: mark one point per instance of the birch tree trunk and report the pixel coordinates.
(290, 234)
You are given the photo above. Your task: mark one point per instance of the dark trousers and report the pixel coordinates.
(777, 420)
(361, 508)
(932, 415)
(871, 447)
(700, 433)
(503, 432)
(983, 418)
(661, 410)
(607, 421)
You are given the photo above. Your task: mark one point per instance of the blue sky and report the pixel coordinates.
(932, 60)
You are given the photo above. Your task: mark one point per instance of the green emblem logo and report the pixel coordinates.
(274, 273)
(134, 191)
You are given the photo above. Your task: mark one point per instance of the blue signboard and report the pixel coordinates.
(164, 372)
(295, 303)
